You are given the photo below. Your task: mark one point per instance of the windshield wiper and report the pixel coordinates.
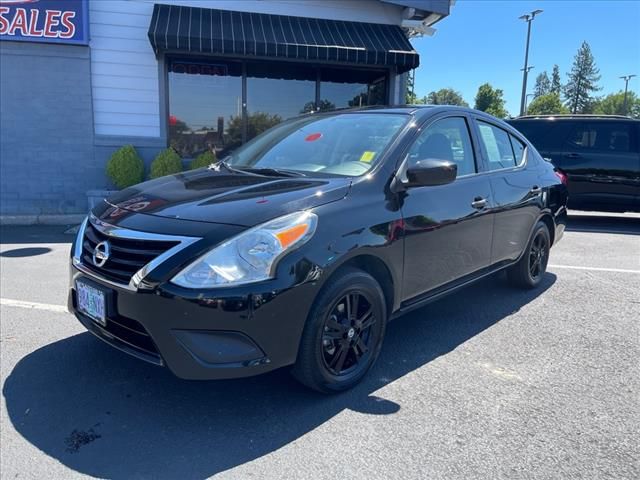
(223, 165)
(274, 171)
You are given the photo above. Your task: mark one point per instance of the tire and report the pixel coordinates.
(530, 269)
(338, 349)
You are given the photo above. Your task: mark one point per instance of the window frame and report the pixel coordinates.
(485, 155)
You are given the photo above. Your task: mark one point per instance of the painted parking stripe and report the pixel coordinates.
(33, 305)
(596, 269)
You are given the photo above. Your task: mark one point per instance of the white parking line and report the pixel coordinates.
(33, 305)
(596, 269)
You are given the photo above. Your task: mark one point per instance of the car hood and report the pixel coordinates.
(206, 195)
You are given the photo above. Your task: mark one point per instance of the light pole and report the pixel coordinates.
(626, 79)
(528, 17)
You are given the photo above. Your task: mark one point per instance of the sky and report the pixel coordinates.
(484, 41)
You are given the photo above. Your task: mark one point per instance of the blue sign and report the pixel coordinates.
(56, 21)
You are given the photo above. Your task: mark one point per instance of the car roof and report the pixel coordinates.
(572, 117)
(420, 111)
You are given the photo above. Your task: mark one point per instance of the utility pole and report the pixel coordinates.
(528, 17)
(626, 79)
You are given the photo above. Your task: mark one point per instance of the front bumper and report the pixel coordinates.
(225, 335)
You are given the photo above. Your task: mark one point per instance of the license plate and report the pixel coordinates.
(91, 302)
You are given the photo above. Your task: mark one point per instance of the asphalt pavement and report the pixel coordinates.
(491, 382)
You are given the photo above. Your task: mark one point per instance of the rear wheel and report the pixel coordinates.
(530, 269)
(343, 335)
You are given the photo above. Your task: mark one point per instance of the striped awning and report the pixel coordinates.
(176, 28)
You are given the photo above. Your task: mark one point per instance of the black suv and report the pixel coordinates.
(599, 155)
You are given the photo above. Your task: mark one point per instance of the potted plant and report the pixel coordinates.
(166, 163)
(124, 168)
(203, 160)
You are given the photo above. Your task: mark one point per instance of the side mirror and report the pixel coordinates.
(431, 172)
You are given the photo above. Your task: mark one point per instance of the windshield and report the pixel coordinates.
(344, 144)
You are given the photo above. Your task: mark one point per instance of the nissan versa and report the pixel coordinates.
(299, 247)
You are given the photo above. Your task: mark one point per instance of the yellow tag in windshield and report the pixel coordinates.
(367, 156)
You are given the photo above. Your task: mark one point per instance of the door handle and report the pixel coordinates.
(572, 155)
(535, 190)
(479, 203)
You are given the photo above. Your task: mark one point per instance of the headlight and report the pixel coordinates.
(251, 256)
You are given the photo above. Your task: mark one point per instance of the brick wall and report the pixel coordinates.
(46, 129)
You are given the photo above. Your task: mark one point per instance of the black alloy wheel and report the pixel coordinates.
(348, 333)
(531, 267)
(343, 334)
(538, 255)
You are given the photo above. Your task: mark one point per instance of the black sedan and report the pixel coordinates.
(301, 246)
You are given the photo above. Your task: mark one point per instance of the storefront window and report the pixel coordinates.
(206, 99)
(276, 92)
(203, 99)
(348, 88)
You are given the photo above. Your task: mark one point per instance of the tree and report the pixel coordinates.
(613, 104)
(583, 81)
(556, 87)
(257, 123)
(490, 100)
(323, 106)
(410, 95)
(446, 96)
(543, 85)
(548, 104)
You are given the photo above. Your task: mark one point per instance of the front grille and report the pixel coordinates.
(127, 256)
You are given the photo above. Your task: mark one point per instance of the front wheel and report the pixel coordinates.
(530, 269)
(343, 335)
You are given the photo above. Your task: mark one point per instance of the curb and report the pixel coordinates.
(24, 220)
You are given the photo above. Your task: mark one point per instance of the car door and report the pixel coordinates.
(448, 228)
(515, 189)
(601, 161)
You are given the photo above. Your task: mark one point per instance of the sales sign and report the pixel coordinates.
(56, 21)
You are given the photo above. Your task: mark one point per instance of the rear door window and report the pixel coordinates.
(497, 146)
(602, 137)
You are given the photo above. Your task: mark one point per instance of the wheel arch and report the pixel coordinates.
(378, 269)
(547, 219)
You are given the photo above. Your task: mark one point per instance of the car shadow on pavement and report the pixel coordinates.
(626, 225)
(25, 252)
(102, 413)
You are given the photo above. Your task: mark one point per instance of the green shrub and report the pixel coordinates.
(166, 163)
(203, 160)
(125, 167)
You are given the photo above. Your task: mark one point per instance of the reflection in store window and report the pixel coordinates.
(349, 89)
(276, 92)
(203, 98)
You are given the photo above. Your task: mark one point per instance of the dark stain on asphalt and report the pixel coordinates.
(79, 438)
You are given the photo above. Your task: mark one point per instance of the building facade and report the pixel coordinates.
(81, 78)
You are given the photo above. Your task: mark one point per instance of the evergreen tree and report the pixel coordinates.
(410, 97)
(582, 81)
(543, 85)
(446, 96)
(490, 100)
(556, 87)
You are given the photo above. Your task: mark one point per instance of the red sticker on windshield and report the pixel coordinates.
(313, 137)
